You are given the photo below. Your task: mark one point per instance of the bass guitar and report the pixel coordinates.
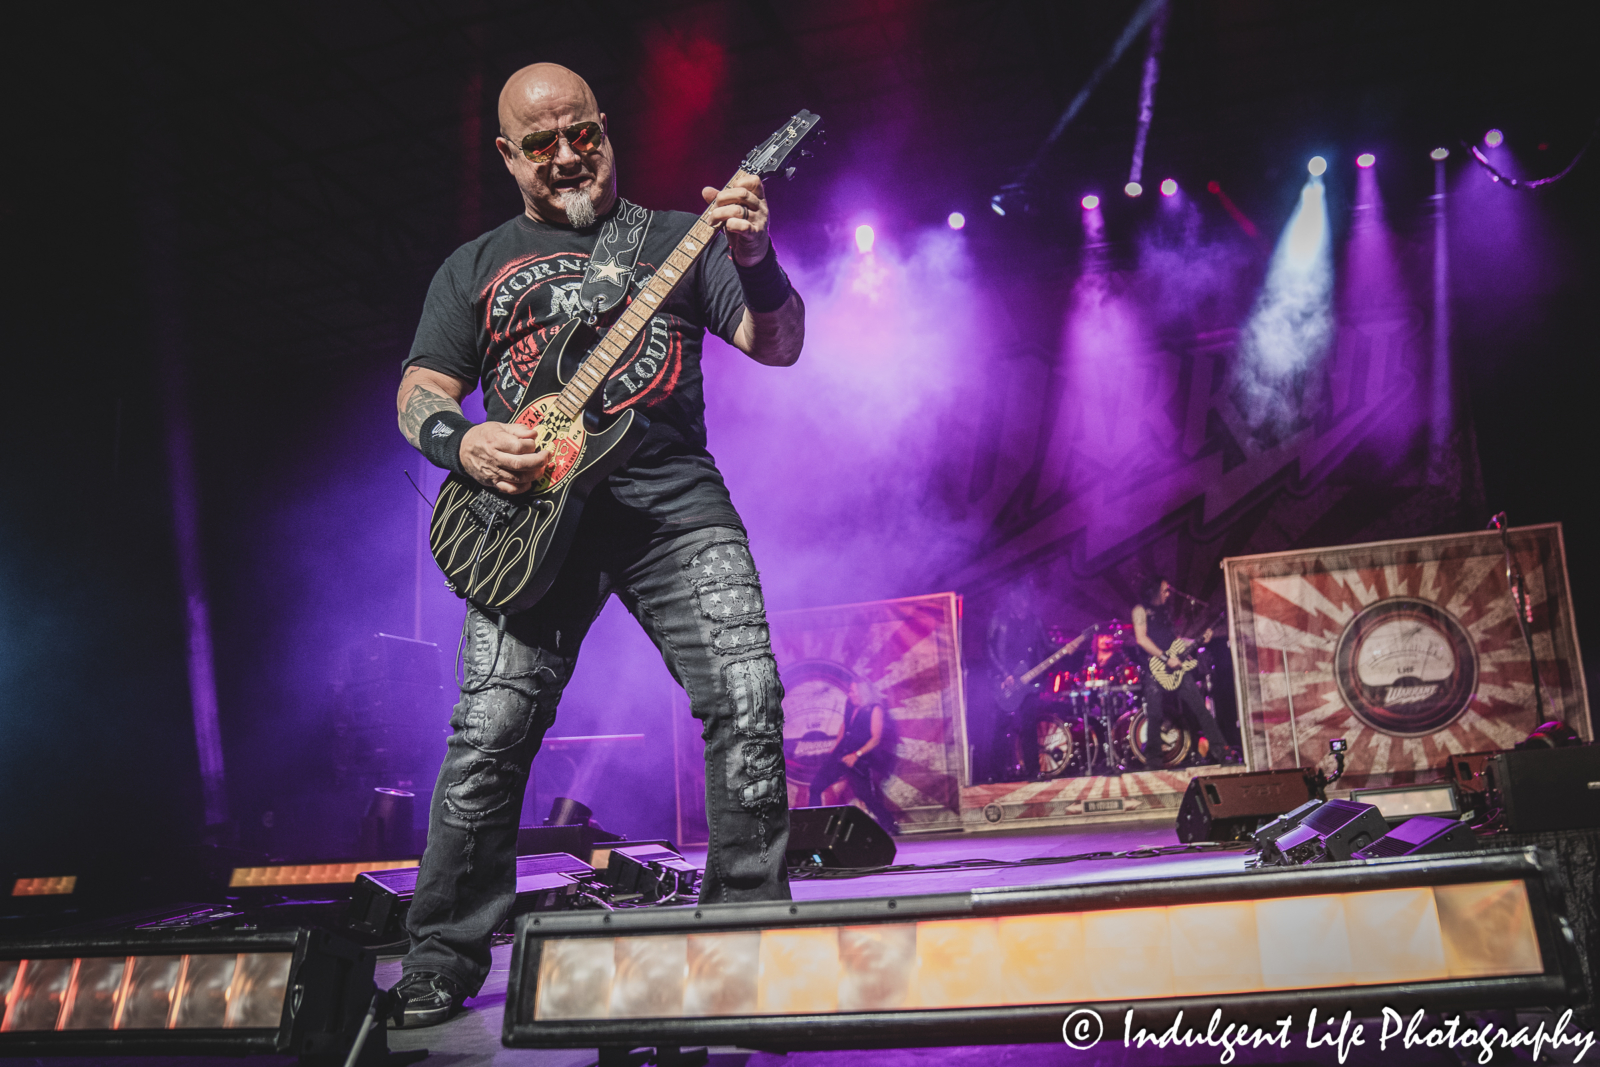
(503, 552)
(1170, 678)
(1022, 681)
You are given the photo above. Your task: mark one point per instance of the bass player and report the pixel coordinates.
(661, 532)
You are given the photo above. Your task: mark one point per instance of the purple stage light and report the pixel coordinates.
(1494, 138)
(864, 238)
(1169, 188)
(1317, 166)
(956, 220)
(1439, 155)
(1133, 189)
(1091, 202)
(1365, 160)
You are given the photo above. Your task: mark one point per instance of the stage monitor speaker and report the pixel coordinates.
(1332, 833)
(1266, 836)
(382, 898)
(1420, 836)
(1227, 807)
(650, 871)
(842, 836)
(1547, 788)
(1467, 769)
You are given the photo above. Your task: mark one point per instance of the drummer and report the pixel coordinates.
(1101, 661)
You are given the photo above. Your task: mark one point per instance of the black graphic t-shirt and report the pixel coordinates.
(497, 301)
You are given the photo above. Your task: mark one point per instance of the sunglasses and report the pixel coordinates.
(540, 145)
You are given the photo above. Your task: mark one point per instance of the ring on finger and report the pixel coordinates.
(746, 211)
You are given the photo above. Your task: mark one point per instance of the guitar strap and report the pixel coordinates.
(615, 255)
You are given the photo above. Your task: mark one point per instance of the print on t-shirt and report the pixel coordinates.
(533, 297)
(498, 300)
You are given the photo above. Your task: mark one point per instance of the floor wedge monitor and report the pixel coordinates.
(1227, 807)
(841, 836)
(1008, 965)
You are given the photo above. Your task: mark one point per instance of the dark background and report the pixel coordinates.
(229, 220)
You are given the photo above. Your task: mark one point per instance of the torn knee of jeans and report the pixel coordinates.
(484, 787)
(500, 717)
(756, 695)
(755, 774)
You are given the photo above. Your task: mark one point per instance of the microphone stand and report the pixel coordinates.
(1524, 610)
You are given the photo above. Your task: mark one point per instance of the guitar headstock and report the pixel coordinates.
(769, 155)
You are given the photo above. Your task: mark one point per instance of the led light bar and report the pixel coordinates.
(309, 873)
(301, 990)
(62, 885)
(1008, 965)
(1399, 803)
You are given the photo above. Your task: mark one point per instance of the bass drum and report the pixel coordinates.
(1128, 737)
(1066, 745)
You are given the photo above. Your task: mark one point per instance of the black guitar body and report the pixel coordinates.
(503, 552)
(1009, 700)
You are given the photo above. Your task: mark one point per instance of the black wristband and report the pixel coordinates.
(766, 287)
(439, 438)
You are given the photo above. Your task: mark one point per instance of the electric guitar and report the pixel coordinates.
(503, 552)
(1014, 691)
(1169, 678)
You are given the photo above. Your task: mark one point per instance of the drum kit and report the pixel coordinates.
(1092, 721)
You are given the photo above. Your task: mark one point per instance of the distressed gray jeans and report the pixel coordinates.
(698, 597)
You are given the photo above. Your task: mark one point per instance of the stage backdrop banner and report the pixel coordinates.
(1409, 650)
(909, 652)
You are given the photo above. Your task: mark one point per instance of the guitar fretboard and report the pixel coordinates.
(591, 375)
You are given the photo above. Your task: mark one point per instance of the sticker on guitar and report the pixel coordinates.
(557, 432)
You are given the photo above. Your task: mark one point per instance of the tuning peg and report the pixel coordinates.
(788, 174)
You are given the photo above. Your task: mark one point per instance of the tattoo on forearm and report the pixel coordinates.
(421, 403)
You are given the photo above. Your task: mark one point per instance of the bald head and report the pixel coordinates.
(537, 88)
(548, 96)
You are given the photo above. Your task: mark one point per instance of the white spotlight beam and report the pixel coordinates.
(1147, 93)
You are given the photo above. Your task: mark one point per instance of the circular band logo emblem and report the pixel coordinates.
(1405, 666)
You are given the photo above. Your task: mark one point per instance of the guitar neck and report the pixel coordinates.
(592, 373)
(1194, 637)
(1047, 664)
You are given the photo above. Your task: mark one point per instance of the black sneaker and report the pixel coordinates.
(424, 998)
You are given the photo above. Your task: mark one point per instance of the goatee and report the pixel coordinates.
(579, 209)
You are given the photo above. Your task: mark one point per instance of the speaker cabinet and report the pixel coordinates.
(842, 836)
(1547, 788)
(1467, 769)
(1227, 807)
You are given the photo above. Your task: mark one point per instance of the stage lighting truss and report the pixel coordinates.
(1006, 966)
(295, 991)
